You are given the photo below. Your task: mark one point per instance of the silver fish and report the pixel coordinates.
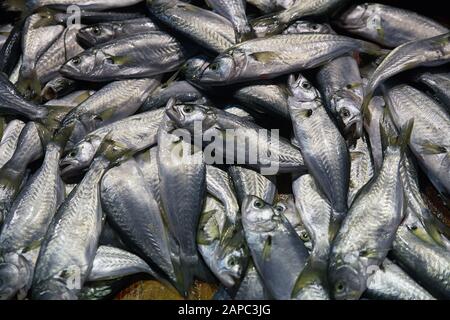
(374, 116)
(68, 251)
(439, 83)
(304, 26)
(278, 253)
(9, 140)
(361, 167)
(62, 4)
(26, 223)
(270, 57)
(323, 147)
(112, 263)
(99, 33)
(134, 212)
(183, 186)
(387, 25)
(208, 29)
(429, 145)
(368, 231)
(234, 11)
(139, 56)
(137, 133)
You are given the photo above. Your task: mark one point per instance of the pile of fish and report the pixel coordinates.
(98, 188)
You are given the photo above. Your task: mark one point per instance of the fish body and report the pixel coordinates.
(9, 140)
(234, 11)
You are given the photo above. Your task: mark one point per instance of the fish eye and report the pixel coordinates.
(349, 86)
(232, 261)
(188, 109)
(345, 113)
(279, 208)
(96, 30)
(413, 228)
(340, 286)
(306, 85)
(214, 66)
(315, 27)
(309, 113)
(363, 253)
(304, 236)
(76, 60)
(258, 204)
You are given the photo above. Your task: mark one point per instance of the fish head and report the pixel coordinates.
(440, 47)
(15, 274)
(231, 261)
(78, 157)
(357, 17)
(347, 106)
(194, 67)
(191, 115)
(80, 66)
(222, 69)
(347, 280)
(95, 34)
(302, 90)
(258, 216)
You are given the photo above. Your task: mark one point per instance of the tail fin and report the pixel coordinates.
(402, 140)
(314, 273)
(185, 271)
(372, 49)
(29, 86)
(54, 116)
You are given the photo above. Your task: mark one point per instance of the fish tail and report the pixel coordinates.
(185, 273)
(405, 135)
(314, 272)
(436, 229)
(29, 85)
(371, 48)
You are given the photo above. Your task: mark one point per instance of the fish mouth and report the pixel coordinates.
(174, 115)
(69, 167)
(354, 128)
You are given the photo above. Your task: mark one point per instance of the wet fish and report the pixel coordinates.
(134, 212)
(323, 147)
(270, 57)
(71, 100)
(439, 83)
(183, 186)
(249, 147)
(374, 116)
(234, 11)
(268, 6)
(9, 140)
(208, 29)
(100, 33)
(278, 253)
(387, 25)
(433, 51)
(429, 145)
(11, 49)
(26, 224)
(304, 26)
(139, 56)
(361, 167)
(137, 132)
(112, 263)
(368, 231)
(22, 5)
(113, 102)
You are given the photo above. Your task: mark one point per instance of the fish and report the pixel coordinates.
(4, 33)
(137, 132)
(342, 87)
(57, 88)
(251, 286)
(323, 147)
(234, 11)
(70, 243)
(387, 25)
(115, 101)
(268, 6)
(305, 26)
(250, 146)
(127, 58)
(368, 231)
(63, 48)
(361, 167)
(432, 51)
(183, 91)
(439, 83)
(278, 253)
(426, 261)
(26, 224)
(300, 9)
(271, 98)
(375, 113)
(103, 32)
(226, 255)
(270, 57)
(182, 173)
(35, 41)
(13, 173)
(429, 145)
(21, 5)
(112, 263)
(248, 182)
(71, 100)
(142, 228)
(11, 49)
(9, 140)
(206, 28)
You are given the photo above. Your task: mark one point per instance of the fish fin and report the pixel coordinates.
(313, 272)
(54, 116)
(432, 148)
(47, 18)
(265, 56)
(25, 85)
(82, 97)
(372, 49)
(187, 265)
(33, 245)
(434, 227)
(112, 150)
(119, 60)
(267, 248)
